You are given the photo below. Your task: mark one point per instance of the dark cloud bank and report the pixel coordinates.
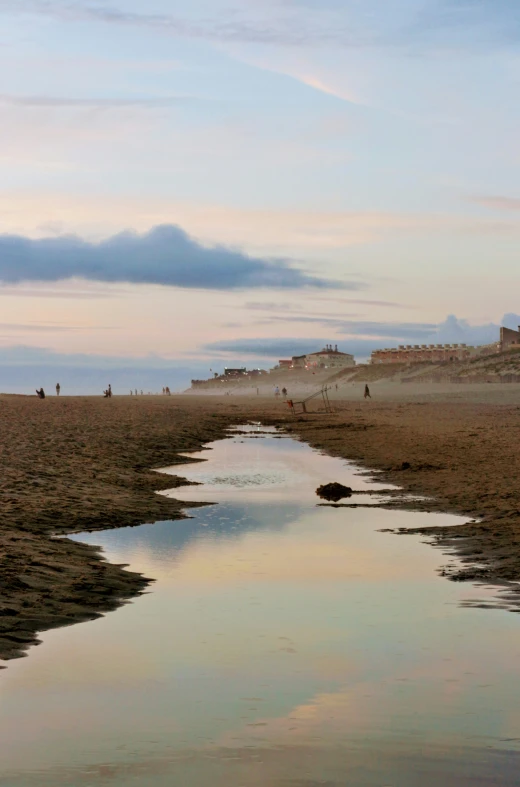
(360, 338)
(165, 255)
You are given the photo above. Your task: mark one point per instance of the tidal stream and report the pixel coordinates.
(284, 644)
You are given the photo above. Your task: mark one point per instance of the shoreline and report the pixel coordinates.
(78, 464)
(88, 479)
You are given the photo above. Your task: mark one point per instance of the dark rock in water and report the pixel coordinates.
(333, 492)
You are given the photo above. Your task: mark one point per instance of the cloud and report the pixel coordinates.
(60, 102)
(44, 327)
(497, 202)
(64, 292)
(283, 29)
(272, 306)
(165, 255)
(271, 348)
(397, 330)
(374, 336)
(281, 310)
(406, 24)
(361, 302)
(274, 349)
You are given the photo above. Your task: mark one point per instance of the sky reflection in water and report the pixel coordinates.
(283, 645)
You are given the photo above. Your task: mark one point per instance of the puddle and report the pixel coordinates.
(284, 644)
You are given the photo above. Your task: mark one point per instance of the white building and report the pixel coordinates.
(328, 358)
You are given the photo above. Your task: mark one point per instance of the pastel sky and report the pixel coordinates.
(228, 180)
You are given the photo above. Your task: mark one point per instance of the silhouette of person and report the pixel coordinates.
(367, 393)
(40, 394)
(58, 389)
(109, 391)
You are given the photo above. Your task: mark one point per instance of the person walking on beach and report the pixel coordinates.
(277, 391)
(109, 391)
(58, 389)
(284, 394)
(367, 393)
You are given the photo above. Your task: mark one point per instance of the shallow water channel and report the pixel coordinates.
(284, 644)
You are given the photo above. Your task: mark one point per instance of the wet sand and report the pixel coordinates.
(74, 464)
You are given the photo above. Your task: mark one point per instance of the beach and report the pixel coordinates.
(86, 463)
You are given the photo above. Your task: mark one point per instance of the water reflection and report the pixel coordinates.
(283, 645)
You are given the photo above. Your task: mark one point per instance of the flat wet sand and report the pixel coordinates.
(87, 463)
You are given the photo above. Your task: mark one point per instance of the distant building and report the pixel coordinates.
(440, 353)
(509, 339)
(286, 364)
(234, 372)
(432, 353)
(328, 358)
(230, 377)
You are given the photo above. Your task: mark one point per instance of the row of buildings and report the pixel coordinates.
(332, 358)
(445, 353)
(417, 353)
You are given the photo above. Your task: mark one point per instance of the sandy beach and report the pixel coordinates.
(74, 464)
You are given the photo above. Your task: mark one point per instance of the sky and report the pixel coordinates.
(189, 186)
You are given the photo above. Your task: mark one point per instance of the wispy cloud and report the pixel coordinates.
(367, 336)
(496, 202)
(361, 302)
(395, 330)
(287, 30)
(280, 310)
(406, 25)
(57, 102)
(44, 327)
(165, 255)
(67, 293)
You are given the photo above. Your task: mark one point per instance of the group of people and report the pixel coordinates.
(166, 391)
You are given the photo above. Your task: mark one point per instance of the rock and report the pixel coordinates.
(333, 491)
